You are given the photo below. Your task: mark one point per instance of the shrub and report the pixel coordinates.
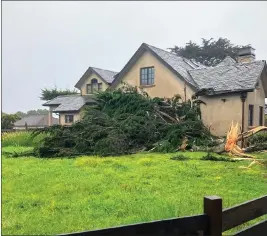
(180, 158)
(210, 157)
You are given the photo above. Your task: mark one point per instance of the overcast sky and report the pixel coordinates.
(47, 44)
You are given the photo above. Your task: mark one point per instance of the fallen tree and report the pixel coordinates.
(126, 121)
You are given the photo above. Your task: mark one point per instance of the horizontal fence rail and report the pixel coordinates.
(257, 229)
(213, 222)
(170, 227)
(245, 212)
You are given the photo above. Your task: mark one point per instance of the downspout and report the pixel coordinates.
(184, 91)
(243, 97)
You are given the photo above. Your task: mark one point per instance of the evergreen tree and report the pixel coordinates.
(210, 52)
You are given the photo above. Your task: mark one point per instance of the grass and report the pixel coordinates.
(20, 138)
(53, 196)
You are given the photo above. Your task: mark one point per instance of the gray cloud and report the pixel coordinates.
(52, 43)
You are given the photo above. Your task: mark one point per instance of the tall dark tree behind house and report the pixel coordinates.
(210, 52)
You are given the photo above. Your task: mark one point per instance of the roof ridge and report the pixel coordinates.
(103, 69)
(67, 95)
(163, 50)
(237, 64)
(35, 115)
(180, 57)
(251, 62)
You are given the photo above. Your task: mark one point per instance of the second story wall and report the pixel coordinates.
(166, 83)
(64, 121)
(87, 86)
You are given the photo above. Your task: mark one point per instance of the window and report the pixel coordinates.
(68, 118)
(261, 116)
(147, 76)
(88, 89)
(99, 86)
(94, 86)
(250, 115)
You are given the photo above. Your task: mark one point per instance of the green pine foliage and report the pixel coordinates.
(260, 138)
(49, 94)
(125, 121)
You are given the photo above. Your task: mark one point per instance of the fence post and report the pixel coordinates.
(213, 208)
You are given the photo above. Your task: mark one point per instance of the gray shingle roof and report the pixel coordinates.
(228, 77)
(227, 61)
(69, 102)
(35, 121)
(106, 75)
(179, 64)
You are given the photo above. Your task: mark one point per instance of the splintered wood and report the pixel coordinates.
(233, 137)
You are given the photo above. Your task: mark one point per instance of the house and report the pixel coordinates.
(232, 90)
(69, 107)
(34, 122)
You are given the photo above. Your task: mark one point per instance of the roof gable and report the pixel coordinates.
(106, 75)
(176, 64)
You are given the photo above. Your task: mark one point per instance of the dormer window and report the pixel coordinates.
(147, 76)
(94, 86)
(88, 89)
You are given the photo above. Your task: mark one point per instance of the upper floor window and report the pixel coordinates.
(88, 89)
(99, 86)
(94, 86)
(261, 116)
(147, 76)
(250, 115)
(68, 118)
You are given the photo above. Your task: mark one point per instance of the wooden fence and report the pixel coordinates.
(213, 221)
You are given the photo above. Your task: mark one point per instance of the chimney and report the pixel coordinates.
(246, 54)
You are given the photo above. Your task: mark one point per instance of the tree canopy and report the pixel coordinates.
(49, 94)
(32, 112)
(210, 52)
(8, 120)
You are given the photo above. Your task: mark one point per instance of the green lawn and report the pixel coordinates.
(52, 196)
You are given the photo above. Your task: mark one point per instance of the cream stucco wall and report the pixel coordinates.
(88, 81)
(76, 117)
(256, 98)
(166, 83)
(218, 114)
